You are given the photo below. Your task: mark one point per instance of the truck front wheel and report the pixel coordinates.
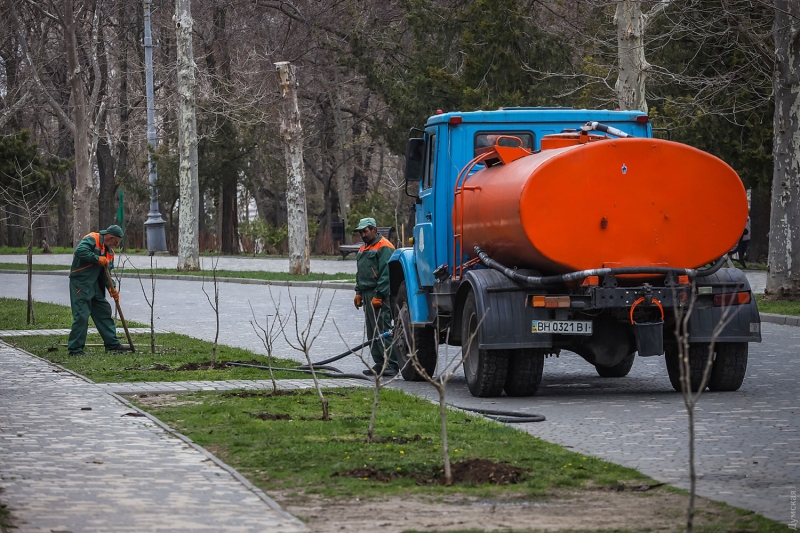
(620, 370)
(408, 338)
(730, 366)
(485, 370)
(524, 372)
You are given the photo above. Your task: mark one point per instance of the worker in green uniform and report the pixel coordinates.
(87, 285)
(372, 292)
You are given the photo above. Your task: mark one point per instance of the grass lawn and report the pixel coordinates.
(281, 445)
(779, 308)
(175, 350)
(22, 250)
(23, 266)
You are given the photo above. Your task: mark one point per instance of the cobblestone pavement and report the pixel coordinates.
(319, 266)
(747, 440)
(70, 460)
(166, 387)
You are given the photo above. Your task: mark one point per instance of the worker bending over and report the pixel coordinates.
(87, 285)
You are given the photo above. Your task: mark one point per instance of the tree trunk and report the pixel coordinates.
(292, 133)
(107, 213)
(188, 217)
(229, 231)
(759, 224)
(82, 196)
(630, 86)
(783, 278)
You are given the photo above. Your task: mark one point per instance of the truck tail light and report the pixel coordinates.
(684, 280)
(734, 298)
(642, 119)
(456, 120)
(551, 301)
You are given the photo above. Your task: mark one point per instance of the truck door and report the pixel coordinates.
(424, 241)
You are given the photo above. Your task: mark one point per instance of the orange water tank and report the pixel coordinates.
(609, 203)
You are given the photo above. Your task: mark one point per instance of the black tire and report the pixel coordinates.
(620, 370)
(423, 340)
(730, 366)
(524, 372)
(698, 357)
(485, 370)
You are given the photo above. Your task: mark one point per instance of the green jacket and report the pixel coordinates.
(373, 268)
(85, 269)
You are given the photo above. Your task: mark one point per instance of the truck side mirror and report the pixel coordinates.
(415, 159)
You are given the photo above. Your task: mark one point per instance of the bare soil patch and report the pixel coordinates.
(478, 471)
(656, 510)
(258, 394)
(161, 400)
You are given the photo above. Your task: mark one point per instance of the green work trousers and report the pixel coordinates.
(90, 301)
(379, 321)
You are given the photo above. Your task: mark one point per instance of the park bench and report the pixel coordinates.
(346, 249)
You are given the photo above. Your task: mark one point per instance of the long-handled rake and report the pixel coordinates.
(119, 310)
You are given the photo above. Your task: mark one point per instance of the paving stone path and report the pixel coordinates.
(165, 387)
(71, 461)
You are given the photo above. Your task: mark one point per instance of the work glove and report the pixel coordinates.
(114, 293)
(102, 261)
(357, 301)
(377, 302)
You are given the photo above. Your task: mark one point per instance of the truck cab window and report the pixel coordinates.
(489, 138)
(430, 163)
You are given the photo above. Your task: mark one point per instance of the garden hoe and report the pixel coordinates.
(119, 310)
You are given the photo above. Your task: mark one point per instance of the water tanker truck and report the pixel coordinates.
(544, 229)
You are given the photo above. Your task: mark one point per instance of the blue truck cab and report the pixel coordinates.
(428, 304)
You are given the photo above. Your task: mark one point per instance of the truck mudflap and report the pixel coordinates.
(403, 267)
(505, 323)
(741, 323)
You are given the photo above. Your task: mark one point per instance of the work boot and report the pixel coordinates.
(390, 372)
(371, 372)
(119, 349)
(78, 353)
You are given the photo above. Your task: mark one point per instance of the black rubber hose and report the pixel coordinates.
(509, 417)
(336, 372)
(607, 129)
(575, 276)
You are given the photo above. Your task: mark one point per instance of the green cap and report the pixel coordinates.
(113, 229)
(365, 222)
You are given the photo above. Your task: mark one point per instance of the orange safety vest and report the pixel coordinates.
(99, 249)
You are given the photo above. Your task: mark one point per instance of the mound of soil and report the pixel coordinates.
(400, 440)
(485, 471)
(472, 471)
(368, 472)
(271, 416)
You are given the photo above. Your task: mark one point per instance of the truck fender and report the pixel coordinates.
(743, 321)
(403, 267)
(505, 319)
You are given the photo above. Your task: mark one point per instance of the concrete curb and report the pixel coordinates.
(177, 277)
(210, 456)
(784, 320)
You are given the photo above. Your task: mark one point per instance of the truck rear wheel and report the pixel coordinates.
(698, 357)
(730, 366)
(485, 370)
(408, 338)
(620, 370)
(524, 372)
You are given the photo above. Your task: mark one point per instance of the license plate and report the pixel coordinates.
(564, 327)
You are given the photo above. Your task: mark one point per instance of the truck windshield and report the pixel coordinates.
(486, 138)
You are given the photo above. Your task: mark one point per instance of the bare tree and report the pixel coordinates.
(307, 334)
(189, 215)
(270, 331)
(151, 300)
(88, 110)
(690, 359)
(380, 383)
(214, 305)
(31, 201)
(292, 133)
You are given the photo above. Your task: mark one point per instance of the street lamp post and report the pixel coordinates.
(154, 226)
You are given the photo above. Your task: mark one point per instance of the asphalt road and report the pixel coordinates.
(748, 445)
